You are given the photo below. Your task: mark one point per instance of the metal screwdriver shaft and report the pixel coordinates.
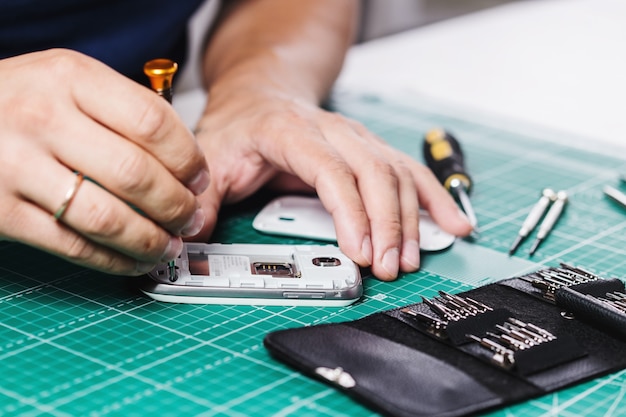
(161, 73)
(547, 196)
(550, 220)
(615, 194)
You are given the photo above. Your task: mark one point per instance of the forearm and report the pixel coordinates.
(290, 47)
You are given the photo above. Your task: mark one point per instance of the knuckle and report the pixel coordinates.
(32, 112)
(151, 121)
(335, 119)
(382, 168)
(78, 249)
(132, 172)
(31, 108)
(402, 169)
(335, 169)
(64, 63)
(176, 215)
(189, 161)
(274, 123)
(393, 227)
(103, 221)
(153, 245)
(15, 218)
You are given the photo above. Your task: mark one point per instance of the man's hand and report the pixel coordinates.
(372, 191)
(268, 65)
(62, 113)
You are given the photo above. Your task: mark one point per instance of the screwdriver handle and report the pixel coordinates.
(444, 157)
(537, 211)
(161, 71)
(553, 215)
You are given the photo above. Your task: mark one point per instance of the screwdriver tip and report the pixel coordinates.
(515, 245)
(535, 246)
(472, 236)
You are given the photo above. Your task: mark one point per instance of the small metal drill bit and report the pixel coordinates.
(543, 332)
(481, 306)
(547, 196)
(550, 220)
(503, 356)
(462, 303)
(516, 334)
(579, 272)
(528, 332)
(426, 319)
(511, 342)
(442, 311)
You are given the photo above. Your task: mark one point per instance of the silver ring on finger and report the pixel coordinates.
(69, 196)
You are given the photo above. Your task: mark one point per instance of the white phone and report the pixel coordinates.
(257, 274)
(306, 217)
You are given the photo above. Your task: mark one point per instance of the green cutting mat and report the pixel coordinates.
(75, 342)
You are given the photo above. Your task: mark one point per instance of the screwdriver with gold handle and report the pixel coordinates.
(161, 72)
(444, 157)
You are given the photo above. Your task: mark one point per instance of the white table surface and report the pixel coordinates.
(559, 64)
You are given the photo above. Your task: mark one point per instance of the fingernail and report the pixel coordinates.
(194, 225)
(391, 262)
(463, 216)
(173, 249)
(366, 249)
(411, 253)
(144, 267)
(200, 182)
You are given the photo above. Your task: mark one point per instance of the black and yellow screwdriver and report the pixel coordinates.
(444, 157)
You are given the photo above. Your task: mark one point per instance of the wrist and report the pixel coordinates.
(269, 77)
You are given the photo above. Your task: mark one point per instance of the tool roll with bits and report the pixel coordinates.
(459, 354)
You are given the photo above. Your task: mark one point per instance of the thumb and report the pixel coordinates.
(210, 202)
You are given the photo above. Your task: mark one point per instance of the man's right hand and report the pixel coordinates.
(62, 112)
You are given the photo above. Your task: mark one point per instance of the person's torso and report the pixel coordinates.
(121, 33)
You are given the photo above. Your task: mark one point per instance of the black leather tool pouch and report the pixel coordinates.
(400, 365)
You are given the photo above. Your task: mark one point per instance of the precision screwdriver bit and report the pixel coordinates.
(547, 196)
(550, 220)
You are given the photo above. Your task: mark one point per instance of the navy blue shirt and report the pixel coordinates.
(124, 34)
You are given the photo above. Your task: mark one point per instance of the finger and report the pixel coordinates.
(439, 203)
(36, 227)
(380, 188)
(431, 195)
(407, 196)
(96, 215)
(129, 172)
(134, 112)
(409, 210)
(319, 165)
(210, 203)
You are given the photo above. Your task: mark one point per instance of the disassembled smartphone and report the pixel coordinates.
(313, 275)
